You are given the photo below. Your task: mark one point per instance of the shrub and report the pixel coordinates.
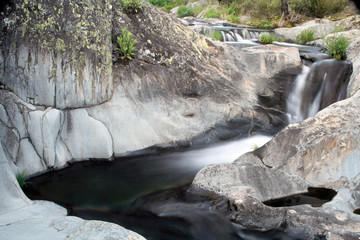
(266, 38)
(216, 35)
(305, 36)
(233, 18)
(185, 11)
(317, 8)
(21, 178)
(212, 13)
(131, 6)
(126, 45)
(336, 46)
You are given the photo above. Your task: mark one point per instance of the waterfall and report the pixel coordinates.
(317, 87)
(293, 104)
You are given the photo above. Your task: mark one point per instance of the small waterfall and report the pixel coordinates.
(317, 87)
(293, 103)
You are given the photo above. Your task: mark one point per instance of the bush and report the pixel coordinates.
(185, 11)
(318, 8)
(126, 45)
(233, 18)
(266, 38)
(305, 36)
(336, 46)
(131, 6)
(212, 13)
(216, 35)
(21, 178)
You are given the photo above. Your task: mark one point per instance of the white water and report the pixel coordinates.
(227, 152)
(293, 103)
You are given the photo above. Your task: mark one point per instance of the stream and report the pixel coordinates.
(148, 194)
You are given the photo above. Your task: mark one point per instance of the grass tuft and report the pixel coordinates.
(267, 38)
(305, 36)
(336, 46)
(185, 11)
(21, 178)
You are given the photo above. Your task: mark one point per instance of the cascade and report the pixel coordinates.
(318, 86)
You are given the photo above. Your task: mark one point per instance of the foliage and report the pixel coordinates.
(212, 13)
(167, 4)
(216, 35)
(21, 178)
(185, 11)
(336, 46)
(131, 6)
(126, 45)
(267, 38)
(305, 36)
(254, 147)
(317, 8)
(233, 18)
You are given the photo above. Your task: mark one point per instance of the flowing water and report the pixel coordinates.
(148, 194)
(318, 86)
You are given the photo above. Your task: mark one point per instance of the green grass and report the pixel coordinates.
(126, 45)
(212, 13)
(185, 11)
(266, 38)
(216, 35)
(305, 36)
(233, 18)
(317, 8)
(21, 178)
(131, 6)
(336, 46)
(254, 147)
(338, 29)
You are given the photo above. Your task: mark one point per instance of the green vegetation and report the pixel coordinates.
(336, 46)
(317, 8)
(216, 35)
(212, 13)
(305, 36)
(254, 147)
(126, 45)
(265, 14)
(267, 38)
(21, 178)
(185, 11)
(131, 6)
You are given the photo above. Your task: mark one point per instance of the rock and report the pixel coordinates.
(44, 128)
(60, 56)
(11, 196)
(322, 151)
(320, 29)
(46, 220)
(26, 153)
(85, 137)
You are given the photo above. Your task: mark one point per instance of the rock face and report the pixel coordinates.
(57, 54)
(322, 151)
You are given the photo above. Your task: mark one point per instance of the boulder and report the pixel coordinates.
(58, 54)
(85, 137)
(322, 151)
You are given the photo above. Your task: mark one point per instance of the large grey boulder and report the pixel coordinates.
(322, 151)
(58, 54)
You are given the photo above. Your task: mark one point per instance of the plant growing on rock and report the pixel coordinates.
(336, 46)
(305, 36)
(126, 45)
(185, 11)
(21, 178)
(131, 6)
(267, 38)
